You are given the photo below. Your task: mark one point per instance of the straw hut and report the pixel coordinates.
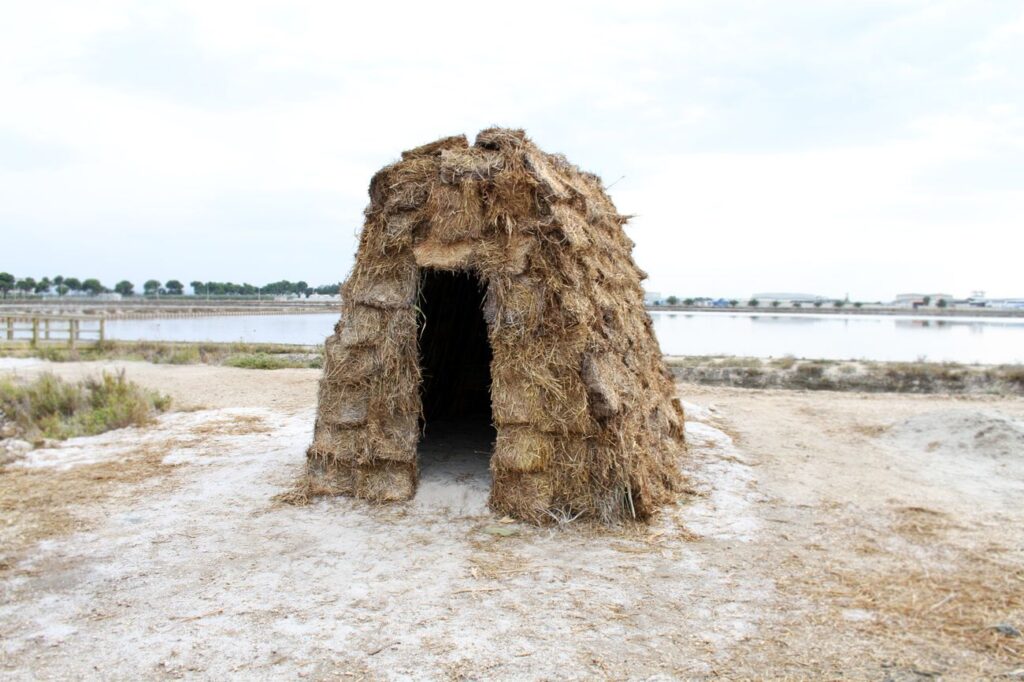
(495, 282)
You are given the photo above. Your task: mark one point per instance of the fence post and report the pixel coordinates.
(46, 329)
(35, 332)
(103, 329)
(10, 328)
(72, 332)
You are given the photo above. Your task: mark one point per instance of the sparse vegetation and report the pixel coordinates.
(50, 407)
(264, 361)
(850, 375)
(785, 362)
(170, 353)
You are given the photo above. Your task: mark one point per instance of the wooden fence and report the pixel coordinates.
(69, 331)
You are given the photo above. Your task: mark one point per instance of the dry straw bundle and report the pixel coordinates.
(586, 418)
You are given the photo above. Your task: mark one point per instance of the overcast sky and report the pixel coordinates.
(817, 146)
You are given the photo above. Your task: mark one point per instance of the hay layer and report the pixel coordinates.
(587, 421)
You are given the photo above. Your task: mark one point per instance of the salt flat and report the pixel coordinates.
(824, 535)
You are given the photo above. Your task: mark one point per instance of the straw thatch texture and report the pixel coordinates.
(587, 421)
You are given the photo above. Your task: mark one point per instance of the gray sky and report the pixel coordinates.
(865, 147)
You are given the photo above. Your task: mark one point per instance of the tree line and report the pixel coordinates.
(62, 286)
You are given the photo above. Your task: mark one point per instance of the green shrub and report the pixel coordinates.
(1012, 373)
(50, 407)
(261, 361)
(811, 370)
(182, 355)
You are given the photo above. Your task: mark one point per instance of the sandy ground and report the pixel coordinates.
(829, 535)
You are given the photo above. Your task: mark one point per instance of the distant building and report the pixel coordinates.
(652, 298)
(1010, 303)
(789, 298)
(921, 300)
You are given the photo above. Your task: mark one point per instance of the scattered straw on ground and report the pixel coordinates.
(42, 503)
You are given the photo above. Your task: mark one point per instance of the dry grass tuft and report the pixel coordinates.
(42, 503)
(232, 425)
(917, 585)
(304, 490)
(245, 355)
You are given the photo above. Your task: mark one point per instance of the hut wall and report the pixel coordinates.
(585, 411)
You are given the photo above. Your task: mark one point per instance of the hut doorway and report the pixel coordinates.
(455, 364)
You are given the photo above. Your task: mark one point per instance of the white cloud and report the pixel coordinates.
(803, 145)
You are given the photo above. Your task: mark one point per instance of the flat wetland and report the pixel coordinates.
(863, 533)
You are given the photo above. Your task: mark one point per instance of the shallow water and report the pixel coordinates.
(869, 337)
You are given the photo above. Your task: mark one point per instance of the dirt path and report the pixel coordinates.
(828, 535)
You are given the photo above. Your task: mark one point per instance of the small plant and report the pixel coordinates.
(753, 303)
(733, 303)
(50, 407)
(785, 362)
(817, 304)
(262, 361)
(688, 301)
(1014, 374)
(942, 303)
(672, 300)
(858, 304)
(776, 304)
(183, 355)
(839, 304)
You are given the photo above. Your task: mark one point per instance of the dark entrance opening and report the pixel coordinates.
(455, 361)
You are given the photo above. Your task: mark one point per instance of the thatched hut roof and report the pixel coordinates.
(585, 410)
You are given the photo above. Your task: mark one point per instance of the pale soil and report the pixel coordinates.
(828, 535)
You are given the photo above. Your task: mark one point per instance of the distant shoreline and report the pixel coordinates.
(845, 310)
(790, 373)
(185, 306)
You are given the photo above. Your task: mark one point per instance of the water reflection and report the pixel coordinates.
(872, 337)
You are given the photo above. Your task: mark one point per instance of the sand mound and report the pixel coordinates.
(963, 432)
